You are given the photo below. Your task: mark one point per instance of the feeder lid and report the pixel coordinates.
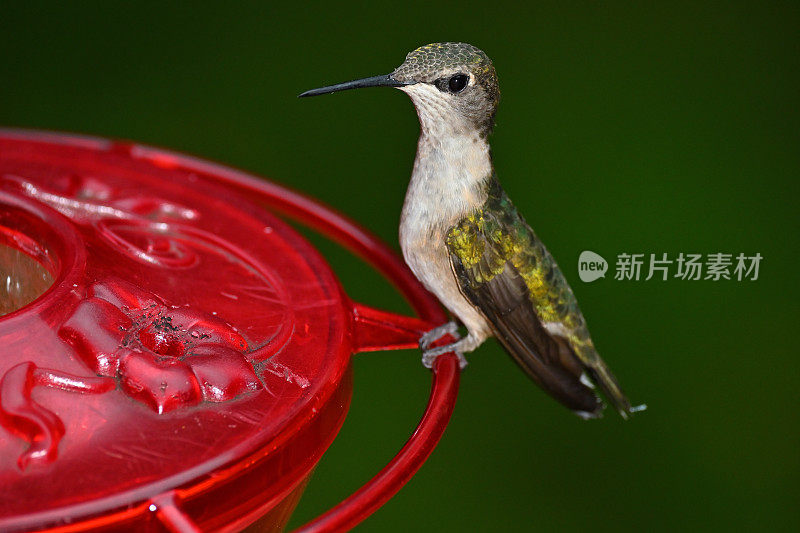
(187, 334)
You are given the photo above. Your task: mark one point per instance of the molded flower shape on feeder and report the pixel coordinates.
(165, 356)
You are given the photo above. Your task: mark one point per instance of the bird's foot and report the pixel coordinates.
(429, 337)
(430, 355)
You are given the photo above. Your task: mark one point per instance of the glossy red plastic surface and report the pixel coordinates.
(191, 363)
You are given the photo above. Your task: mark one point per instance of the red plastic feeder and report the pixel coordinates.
(190, 362)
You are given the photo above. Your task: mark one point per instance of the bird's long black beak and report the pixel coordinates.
(385, 80)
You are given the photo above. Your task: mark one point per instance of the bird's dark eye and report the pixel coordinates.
(457, 83)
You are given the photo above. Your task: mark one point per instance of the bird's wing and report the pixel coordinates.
(504, 270)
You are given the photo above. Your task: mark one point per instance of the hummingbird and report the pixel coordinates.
(464, 240)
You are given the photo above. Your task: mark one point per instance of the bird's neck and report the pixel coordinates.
(450, 177)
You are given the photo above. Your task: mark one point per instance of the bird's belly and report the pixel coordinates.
(430, 263)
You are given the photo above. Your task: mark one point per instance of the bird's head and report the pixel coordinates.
(453, 86)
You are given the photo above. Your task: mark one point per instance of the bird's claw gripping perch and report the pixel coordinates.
(429, 337)
(429, 355)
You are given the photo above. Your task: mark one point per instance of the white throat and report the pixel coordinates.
(451, 168)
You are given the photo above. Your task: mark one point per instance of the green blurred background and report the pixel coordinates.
(624, 127)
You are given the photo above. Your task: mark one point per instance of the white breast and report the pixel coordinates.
(447, 183)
